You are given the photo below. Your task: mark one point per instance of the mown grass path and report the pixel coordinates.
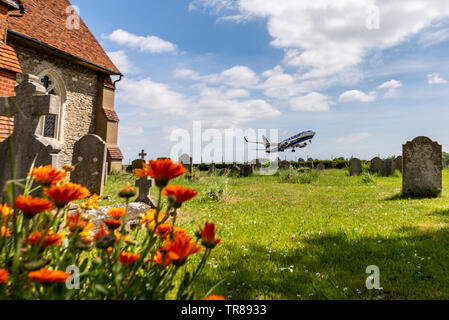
(293, 241)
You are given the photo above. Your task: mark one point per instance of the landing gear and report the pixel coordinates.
(293, 150)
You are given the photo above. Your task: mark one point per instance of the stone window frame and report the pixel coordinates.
(60, 89)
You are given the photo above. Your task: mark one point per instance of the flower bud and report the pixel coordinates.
(127, 191)
(68, 168)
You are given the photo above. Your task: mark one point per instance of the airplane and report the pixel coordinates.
(297, 141)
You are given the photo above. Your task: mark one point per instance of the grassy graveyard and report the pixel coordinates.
(315, 237)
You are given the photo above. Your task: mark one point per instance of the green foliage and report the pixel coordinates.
(216, 189)
(295, 176)
(368, 178)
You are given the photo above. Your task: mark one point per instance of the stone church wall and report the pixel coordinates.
(81, 89)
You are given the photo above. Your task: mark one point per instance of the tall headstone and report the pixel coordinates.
(186, 161)
(27, 107)
(376, 165)
(388, 167)
(355, 167)
(89, 158)
(144, 185)
(422, 166)
(398, 164)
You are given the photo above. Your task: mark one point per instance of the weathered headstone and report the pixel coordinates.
(144, 185)
(355, 167)
(186, 161)
(235, 170)
(422, 167)
(27, 107)
(137, 164)
(321, 167)
(246, 170)
(388, 167)
(284, 165)
(398, 164)
(376, 165)
(89, 158)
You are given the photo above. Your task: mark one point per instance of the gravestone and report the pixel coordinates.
(235, 170)
(137, 164)
(388, 167)
(398, 164)
(321, 167)
(376, 165)
(422, 167)
(284, 165)
(246, 170)
(186, 161)
(89, 158)
(27, 107)
(212, 168)
(144, 185)
(355, 167)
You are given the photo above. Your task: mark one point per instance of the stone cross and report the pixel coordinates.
(142, 154)
(144, 185)
(27, 107)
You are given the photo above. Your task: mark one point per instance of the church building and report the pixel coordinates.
(48, 39)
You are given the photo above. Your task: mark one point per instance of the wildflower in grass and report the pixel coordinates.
(4, 276)
(78, 222)
(178, 194)
(46, 276)
(5, 211)
(116, 213)
(208, 236)
(180, 249)
(112, 224)
(5, 231)
(214, 297)
(161, 170)
(164, 230)
(48, 176)
(127, 258)
(90, 203)
(32, 206)
(50, 239)
(161, 259)
(61, 195)
(125, 238)
(127, 191)
(150, 218)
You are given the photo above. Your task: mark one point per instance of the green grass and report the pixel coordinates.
(315, 241)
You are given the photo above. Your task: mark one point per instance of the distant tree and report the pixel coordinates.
(301, 160)
(445, 156)
(309, 159)
(339, 159)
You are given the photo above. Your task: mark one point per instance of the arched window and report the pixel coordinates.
(52, 126)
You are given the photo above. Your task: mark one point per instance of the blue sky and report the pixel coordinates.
(366, 75)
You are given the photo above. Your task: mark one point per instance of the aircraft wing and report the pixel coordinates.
(262, 143)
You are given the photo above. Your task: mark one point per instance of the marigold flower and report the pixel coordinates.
(161, 170)
(109, 250)
(49, 240)
(65, 193)
(32, 206)
(5, 210)
(179, 193)
(5, 231)
(90, 203)
(127, 258)
(48, 276)
(125, 238)
(48, 176)
(214, 297)
(150, 218)
(4, 276)
(127, 191)
(164, 230)
(101, 233)
(208, 236)
(113, 224)
(116, 213)
(180, 249)
(78, 221)
(161, 259)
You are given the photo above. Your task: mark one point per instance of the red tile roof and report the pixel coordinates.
(111, 115)
(115, 153)
(8, 59)
(45, 21)
(6, 127)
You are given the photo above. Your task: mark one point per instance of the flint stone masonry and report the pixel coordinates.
(89, 159)
(376, 165)
(33, 103)
(355, 167)
(422, 166)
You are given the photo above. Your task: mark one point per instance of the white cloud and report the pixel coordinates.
(325, 37)
(130, 131)
(434, 37)
(122, 62)
(435, 78)
(391, 87)
(356, 95)
(354, 138)
(151, 44)
(314, 101)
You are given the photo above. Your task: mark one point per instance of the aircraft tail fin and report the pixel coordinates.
(267, 142)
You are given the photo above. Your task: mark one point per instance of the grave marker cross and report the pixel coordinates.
(142, 154)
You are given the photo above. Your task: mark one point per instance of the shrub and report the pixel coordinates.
(295, 176)
(368, 178)
(217, 189)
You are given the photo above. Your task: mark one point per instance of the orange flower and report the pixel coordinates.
(164, 230)
(161, 259)
(48, 276)
(116, 213)
(5, 231)
(127, 191)
(128, 258)
(5, 211)
(180, 249)
(214, 297)
(32, 206)
(208, 236)
(90, 203)
(78, 221)
(4, 276)
(113, 224)
(150, 218)
(109, 250)
(118, 235)
(181, 194)
(161, 170)
(101, 233)
(49, 240)
(65, 193)
(48, 176)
